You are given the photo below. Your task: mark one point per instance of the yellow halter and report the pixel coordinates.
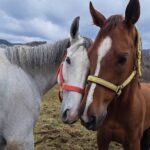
(118, 88)
(139, 55)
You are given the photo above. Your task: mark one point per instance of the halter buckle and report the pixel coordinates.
(119, 90)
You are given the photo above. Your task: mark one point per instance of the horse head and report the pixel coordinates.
(112, 62)
(72, 74)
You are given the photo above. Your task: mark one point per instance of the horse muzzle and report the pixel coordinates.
(69, 116)
(94, 122)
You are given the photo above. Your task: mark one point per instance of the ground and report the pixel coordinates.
(51, 134)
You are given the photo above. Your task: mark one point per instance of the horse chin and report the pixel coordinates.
(88, 126)
(95, 125)
(70, 122)
(100, 120)
(93, 128)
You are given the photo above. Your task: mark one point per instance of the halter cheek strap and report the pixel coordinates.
(118, 89)
(65, 86)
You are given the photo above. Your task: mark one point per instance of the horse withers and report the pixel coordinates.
(26, 74)
(115, 102)
(72, 74)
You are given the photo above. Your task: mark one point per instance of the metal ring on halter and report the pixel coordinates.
(119, 90)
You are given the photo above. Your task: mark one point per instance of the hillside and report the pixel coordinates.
(146, 65)
(4, 43)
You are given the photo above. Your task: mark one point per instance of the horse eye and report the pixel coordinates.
(121, 59)
(68, 60)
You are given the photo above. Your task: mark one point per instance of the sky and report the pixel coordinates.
(50, 20)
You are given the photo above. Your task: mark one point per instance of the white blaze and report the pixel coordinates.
(102, 51)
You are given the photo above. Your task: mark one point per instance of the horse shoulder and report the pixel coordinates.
(18, 87)
(145, 90)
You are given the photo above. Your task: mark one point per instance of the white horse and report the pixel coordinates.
(74, 71)
(26, 74)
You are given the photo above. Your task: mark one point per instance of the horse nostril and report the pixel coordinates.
(93, 120)
(65, 114)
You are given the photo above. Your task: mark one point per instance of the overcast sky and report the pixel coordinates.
(50, 20)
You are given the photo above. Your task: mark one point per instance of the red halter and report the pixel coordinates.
(65, 86)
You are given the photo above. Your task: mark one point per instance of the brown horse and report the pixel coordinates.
(119, 113)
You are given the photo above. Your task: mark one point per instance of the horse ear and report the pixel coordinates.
(74, 30)
(98, 18)
(132, 13)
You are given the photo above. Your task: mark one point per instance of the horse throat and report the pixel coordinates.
(125, 101)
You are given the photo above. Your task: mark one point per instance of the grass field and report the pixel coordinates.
(51, 134)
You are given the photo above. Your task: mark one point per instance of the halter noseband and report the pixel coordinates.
(118, 88)
(65, 86)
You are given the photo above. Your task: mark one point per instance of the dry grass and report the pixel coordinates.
(51, 134)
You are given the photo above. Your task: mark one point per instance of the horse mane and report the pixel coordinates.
(111, 23)
(38, 56)
(87, 43)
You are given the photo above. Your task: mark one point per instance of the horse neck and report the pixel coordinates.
(40, 63)
(45, 78)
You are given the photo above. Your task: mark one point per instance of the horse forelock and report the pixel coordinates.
(87, 42)
(112, 23)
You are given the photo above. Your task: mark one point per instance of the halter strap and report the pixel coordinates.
(116, 88)
(72, 88)
(65, 86)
